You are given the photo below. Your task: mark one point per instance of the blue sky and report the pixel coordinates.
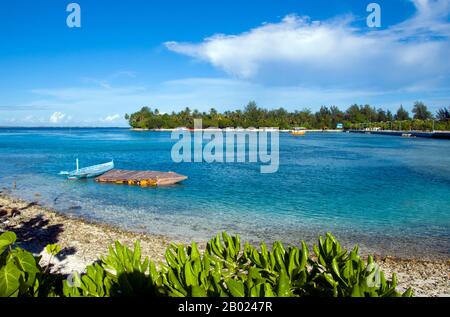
(282, 53)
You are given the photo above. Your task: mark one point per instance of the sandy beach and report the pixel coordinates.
(82, 242)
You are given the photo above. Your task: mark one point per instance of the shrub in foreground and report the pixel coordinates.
(21, 274)
(225, 268)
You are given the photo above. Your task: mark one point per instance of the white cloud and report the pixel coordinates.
(107, 81)
(57, 117)
(334, 53)
(111, 118)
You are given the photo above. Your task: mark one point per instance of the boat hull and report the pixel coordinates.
(91, 172)
(298, 133)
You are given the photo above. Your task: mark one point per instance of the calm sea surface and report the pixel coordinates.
(389, 194)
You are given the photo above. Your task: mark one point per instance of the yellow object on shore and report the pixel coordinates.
(148, 182)
(298, 132)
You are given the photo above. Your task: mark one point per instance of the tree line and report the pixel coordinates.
(355, 116)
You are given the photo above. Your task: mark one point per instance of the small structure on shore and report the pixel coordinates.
(141, 178)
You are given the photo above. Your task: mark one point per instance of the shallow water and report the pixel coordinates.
(389, 194)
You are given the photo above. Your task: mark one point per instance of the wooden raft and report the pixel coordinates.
(141, 178)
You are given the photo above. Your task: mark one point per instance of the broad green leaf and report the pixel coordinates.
(316, 250)
(329, 278)
(53, 249)
(335, 267)
(256, 258)
(6, 239)
(304, 256)
(175, 283)
(8, 236)
(237, 243)
(279, 256)
(198, 291)
(9, 280)
(190, 279)
(236, 288)
(194, 251)
(265, 261)
(137, 252)
(291, 264)
(254, 291)
(181, 254)
(356, 292)
(268, 292)
(283, 286)
(25, 261)
(171, 259)
(153, 273)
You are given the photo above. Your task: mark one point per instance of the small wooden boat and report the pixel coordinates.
(89, 172)
(298, 132)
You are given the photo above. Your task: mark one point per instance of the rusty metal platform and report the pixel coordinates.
(141, 178)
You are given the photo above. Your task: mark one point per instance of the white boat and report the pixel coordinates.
(298, 131)
(88, 172)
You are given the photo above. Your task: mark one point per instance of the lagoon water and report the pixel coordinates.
(389, 194)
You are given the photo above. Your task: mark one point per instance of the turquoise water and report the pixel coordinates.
(389, 194)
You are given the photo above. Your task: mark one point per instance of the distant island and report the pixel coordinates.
(355, 117)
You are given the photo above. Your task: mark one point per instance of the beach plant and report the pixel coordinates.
(21, 274)
(337, 272)
(120, 273)
(52, 250)
(93, 283)
(224, 269)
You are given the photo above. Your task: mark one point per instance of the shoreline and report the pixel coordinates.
(83, 242)
(233, 130)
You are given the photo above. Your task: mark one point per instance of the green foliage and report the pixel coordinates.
(52, 249)
(443, 115)
(20, 273)
(356, 116)
(6, 240)
(402, 114)
(226, 269)
(340, 273)
(421, 112)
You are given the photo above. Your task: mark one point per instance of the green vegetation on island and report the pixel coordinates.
(225, 268)
(355, 117)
